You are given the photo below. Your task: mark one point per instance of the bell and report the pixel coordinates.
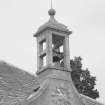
(56, 58)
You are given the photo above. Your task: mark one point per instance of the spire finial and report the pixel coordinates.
(51, 12)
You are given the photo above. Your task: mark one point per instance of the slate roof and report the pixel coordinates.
(89, 101)
(15, 84)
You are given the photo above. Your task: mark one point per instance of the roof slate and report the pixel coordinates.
(15, 84)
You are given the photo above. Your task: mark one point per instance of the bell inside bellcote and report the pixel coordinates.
(57, 49)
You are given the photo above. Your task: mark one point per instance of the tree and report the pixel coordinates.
(82, 79)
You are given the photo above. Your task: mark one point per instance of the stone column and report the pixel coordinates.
(39, 50)
(49, 49)
(66, 53)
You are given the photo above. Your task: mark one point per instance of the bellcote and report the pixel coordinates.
(52, 45)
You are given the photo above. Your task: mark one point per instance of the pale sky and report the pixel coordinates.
(19, 19)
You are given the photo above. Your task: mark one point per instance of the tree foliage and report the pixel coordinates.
(83, 80)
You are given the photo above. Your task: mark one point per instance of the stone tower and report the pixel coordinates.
(53, 64)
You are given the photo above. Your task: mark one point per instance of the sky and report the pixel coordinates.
(20, 19)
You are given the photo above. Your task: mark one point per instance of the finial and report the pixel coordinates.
(51, 12)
